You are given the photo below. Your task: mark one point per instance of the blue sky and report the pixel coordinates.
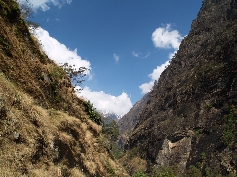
(126, 43)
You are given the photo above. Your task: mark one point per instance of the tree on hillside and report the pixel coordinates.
(111, 130)
(26, 12)
(75, 74)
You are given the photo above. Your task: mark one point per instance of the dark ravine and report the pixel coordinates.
(190, 116)
(129, 120)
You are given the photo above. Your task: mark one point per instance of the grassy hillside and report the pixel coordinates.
(45, 128)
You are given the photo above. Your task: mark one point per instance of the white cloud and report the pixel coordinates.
(105, 102)
(116, 57)
(44, 4)
(135, 54)
(59, 52)
(69, 1)
(140, 55)
(166, 38)
(146, 87)
(155, 75)
(172, 54)
(162, 38)
(147, 55)
(44, 7)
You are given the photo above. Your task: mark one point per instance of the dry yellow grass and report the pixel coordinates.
(133, 163)
(44, 129)
(40, 142)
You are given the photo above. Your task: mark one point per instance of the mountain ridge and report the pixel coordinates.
(188, 112)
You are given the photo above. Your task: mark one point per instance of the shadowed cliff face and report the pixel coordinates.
(187, 111)
(129, 120)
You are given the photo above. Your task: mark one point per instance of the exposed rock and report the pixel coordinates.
(195, 94)
(175, 150)
(129, 120)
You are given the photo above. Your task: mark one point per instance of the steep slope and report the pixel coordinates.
(129, 120)
(28, 67)
(45, 128)
(190, 117)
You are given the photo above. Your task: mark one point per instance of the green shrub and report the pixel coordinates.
(164, 172)
(229, 133)
(14, 13)
(6, 46)
(111, 130)
(139, 174)
(57, 72)
(92, 113)
(203, 155)
(116, 150)
(194, 172)
(133, 153)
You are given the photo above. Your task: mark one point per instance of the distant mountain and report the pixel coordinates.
(189, 120)
(108, 116)
(129, 120)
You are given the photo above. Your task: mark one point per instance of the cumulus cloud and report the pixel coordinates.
(105, 102)
(162, 37)
(155, 75)
(44, 4)
(165, 37)
(59, 52)
(146, 87)
(172, 54)
(116, 57)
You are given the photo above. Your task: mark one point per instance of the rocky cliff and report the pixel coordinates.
(45, 129)
(129, 120)
(190, 118)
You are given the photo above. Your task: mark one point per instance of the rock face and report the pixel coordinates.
(175, 150)
(129, 120)
(190, 116)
